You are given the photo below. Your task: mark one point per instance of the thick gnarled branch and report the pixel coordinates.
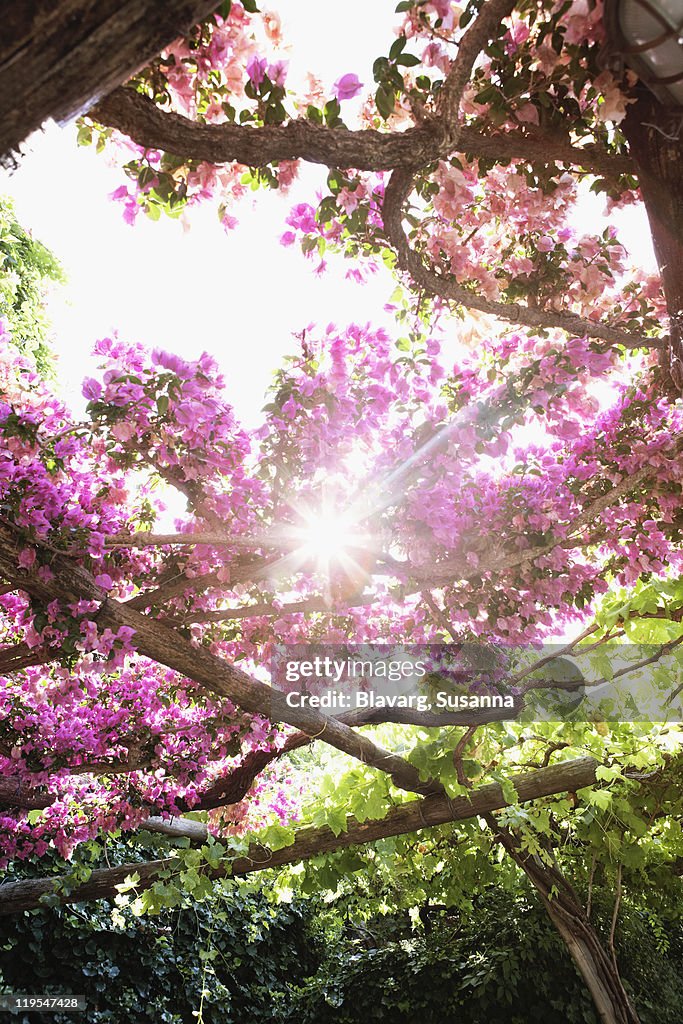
(148, 125)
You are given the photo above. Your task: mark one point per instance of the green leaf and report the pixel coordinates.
(337, 820)
(276, 837)
(332, 110)
(408, 60)
(84, 136)
(385, 100)
(129, 882)
(607, 774)
(397, 47)
(600, 798)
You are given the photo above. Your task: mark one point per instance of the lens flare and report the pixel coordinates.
(328, 536)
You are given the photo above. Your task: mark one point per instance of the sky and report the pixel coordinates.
(239, 295)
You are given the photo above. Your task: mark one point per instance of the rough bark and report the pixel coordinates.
(365, 150)
(138, 117)
(597, 967)
(57, 59)
(14, 793)
(654, 136)
(485, 27)
(311, 842)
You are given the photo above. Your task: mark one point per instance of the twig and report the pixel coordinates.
(589, 900)
(457, 756)
(615, 914)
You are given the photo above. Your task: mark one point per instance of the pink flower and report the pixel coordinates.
(348, 200)
(277, 72)
(130, 212)
(92, 389)
(527, 114)
(346, 87)
(256, 69)
(123, 431)
(130, 206)
(435, 56)
(104, 580)
(27, 558)
(545, 243)
(229, 222)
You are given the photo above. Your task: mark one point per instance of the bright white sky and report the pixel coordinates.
(239, 295)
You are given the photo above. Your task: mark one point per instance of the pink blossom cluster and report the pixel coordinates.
(474, 478)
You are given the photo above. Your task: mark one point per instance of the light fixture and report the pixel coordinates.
(647, 35)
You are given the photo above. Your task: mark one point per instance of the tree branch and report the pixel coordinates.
(446, 287)
(145, 123)
(146, 539)
(168, 647)
(57, 58)
(311, 842)
(470, 46)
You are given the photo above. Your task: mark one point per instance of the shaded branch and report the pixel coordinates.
(20, 656)
(311, 842)
(56, 59)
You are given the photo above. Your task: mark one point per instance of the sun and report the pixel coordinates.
(328, 536)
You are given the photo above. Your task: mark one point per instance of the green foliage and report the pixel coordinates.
(26, 266)
(502, 963)
(229, 959)
(470, 945)
(237, 957)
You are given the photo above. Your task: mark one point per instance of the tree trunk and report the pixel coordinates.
(597, 967)
(654, 137)
(58, 58)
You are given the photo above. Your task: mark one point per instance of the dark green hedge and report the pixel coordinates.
(298, 964)
(244, 953)
(503, 965)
